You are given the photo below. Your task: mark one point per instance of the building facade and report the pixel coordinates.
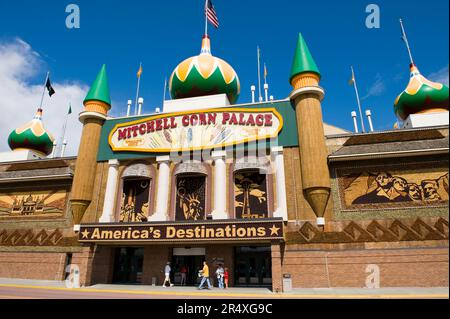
(267, 189)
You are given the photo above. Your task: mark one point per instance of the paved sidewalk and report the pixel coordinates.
(139, 291)
(30, 282)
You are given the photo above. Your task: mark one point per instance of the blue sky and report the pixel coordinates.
(163, 33)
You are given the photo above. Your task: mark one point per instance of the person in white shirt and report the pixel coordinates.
(219, 273)
(167, 271)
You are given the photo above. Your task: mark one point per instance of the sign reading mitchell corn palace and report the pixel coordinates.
(196, 130)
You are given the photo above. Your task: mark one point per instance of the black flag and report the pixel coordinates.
(49, 87)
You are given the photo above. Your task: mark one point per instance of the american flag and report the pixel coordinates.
(211, 13)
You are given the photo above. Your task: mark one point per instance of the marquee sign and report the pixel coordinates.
(196, 130)
(271, 229)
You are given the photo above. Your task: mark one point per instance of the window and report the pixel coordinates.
(190, 197)
(135, 200)
(250, 195)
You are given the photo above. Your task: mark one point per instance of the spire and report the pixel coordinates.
(405, 39)
(206, 46)
(100, 89)
(303, 60)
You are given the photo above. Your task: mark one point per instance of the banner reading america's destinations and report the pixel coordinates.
(250, 230)
(205, 129)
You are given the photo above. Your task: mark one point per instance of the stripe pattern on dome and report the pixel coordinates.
(205, 66)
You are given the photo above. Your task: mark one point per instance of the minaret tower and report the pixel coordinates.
(307, 96)
(96, 107)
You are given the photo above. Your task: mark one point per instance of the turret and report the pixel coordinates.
(204, 75)
(96, 107)
(307, 96)
(421, 96)
(32, 136)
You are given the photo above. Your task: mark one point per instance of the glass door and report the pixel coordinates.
(192, 265)
(253, 267)
(128, 265)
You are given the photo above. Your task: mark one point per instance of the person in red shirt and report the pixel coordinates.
(183, 271)
(225, 277)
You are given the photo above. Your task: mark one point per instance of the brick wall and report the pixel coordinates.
(84, 260)
(398, 267)
(32, 265)
(277, 269)
(155, 259)
(102, 265)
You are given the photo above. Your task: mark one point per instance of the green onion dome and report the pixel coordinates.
(204, 75)
(32, 136)
(421, 96)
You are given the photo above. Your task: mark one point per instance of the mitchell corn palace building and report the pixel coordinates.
(265, 188)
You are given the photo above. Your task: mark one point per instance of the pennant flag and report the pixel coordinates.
(70, 109)
(352, 80)
(140, 71)
(211, 14)
(265, 71)
(49, 87)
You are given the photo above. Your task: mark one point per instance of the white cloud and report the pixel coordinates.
(440, 76)
(377, 88)
(19, 99)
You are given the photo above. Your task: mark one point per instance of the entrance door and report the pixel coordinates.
(193, 265)
(192, 260)
(128, 265)
(253, 267)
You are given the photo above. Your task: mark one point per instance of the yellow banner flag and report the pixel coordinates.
(352, 80)
(139, 72)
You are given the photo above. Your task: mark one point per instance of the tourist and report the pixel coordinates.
(219, 274)
(205, 276)
(183, 272)
(225, 277)
(167, 271)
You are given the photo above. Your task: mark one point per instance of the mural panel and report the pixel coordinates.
(394, 187)
(135, 201)
(34, 203)
(250, 193)
(191, 198)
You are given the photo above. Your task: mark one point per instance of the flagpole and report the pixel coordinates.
(405, 38)
(259, 75)
(137, 91)
(45, 86)
(358, 100)
(206, 18)
(265, 75)
(63, 135)
(165, 90)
